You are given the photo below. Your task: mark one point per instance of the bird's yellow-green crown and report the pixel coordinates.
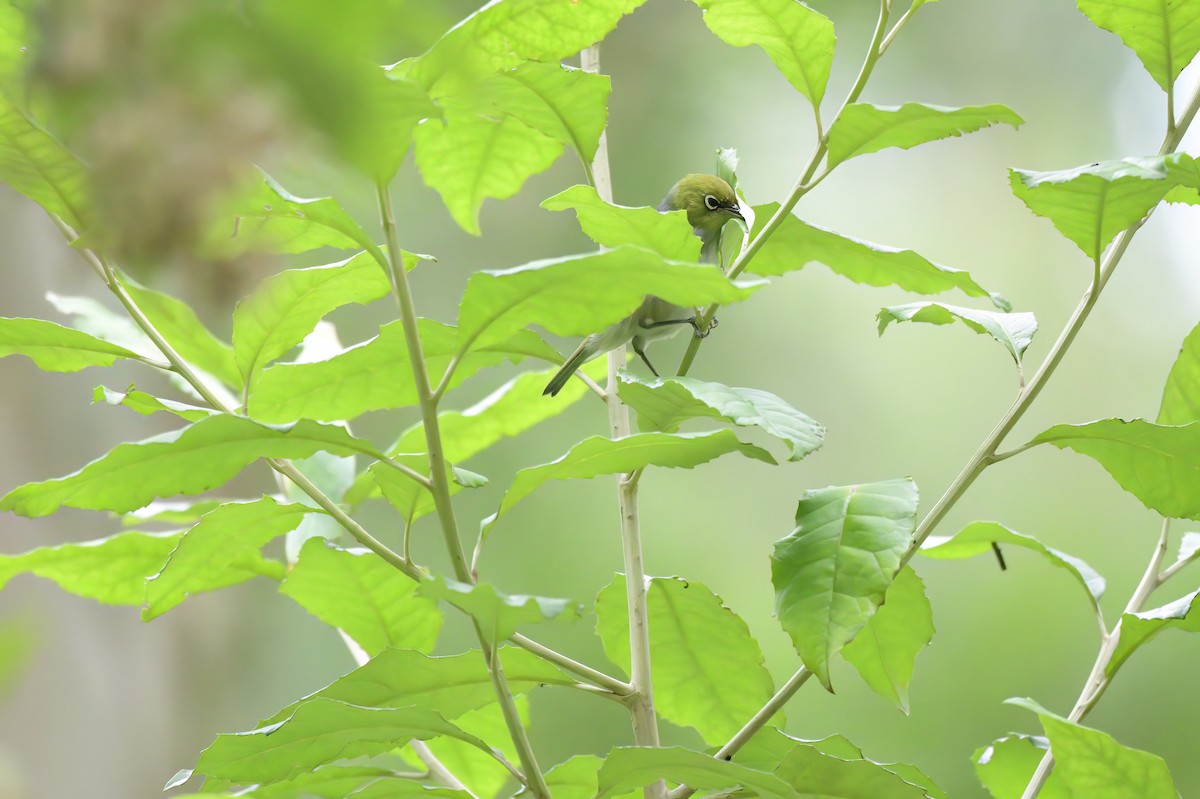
(708, 200)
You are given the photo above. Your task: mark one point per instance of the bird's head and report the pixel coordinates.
(708, 200)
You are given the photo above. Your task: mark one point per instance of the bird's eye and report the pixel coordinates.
(711, 202)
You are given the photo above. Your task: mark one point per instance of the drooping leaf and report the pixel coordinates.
(1139, 628)
(886, 648)
(977, 538)
(1005, 766)
(667, 234)
(796, 244)
(222, 549)
(635, 767)
(582, 294)
(662, 404)
(355, 591)
(146, 404)
(498, 615)
(320, 731)
(708, 669)
(1013, 330)
(112, 571)
(34, 163)
(1165, 34)
(1091, 204)
(797, 39)
(1158, 464)
(188, 461)
(863, 128)
(814, 772)
(832, 572)
(55, 348)
(1181, 394)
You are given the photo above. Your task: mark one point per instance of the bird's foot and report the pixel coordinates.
(703, 333)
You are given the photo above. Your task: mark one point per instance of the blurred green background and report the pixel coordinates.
(107, 707)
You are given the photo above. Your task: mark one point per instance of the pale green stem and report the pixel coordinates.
(440, 489)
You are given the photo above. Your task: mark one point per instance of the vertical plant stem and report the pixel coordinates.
(640, 700)
(440, 488)
(1097, 680)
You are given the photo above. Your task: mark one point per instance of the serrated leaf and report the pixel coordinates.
(832, 572)
(222, 549)
(357, 592)
(977, 538)
(146, 404)
(320, 731)
(188, 461)
(636, 767)
(55, 348)
(798, 40)
(662, 404)
(498, 615)
(1158, 464)
(1091, 204)
(708, 669)
(1005, 766)
(34, 163)
(1013, 330)
(95, 319)
(864, 128)
(884, 651)
(186, 512)
(377, 374)
(1138, 628)
(1165, 34)
(581, 294)
(482, 774)
(609, 225)
(816, 773)
(796, 244)
(1181, 394)
(112, 571)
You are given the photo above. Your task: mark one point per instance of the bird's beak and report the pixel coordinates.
(736, 211)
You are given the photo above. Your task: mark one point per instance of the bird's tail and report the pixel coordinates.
(577, 359)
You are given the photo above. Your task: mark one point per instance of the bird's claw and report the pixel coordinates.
(698, 333)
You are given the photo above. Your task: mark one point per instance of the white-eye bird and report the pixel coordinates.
(710, 203)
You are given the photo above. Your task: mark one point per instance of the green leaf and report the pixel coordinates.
(796, 244)
(112, 571)
(863, 128)
(146, 404)
(223, 549)
(581, 294)
(708, 669)
(357, 592)
(338, 782)
(187, 512)
(1005, 766)
(188, 461)
(667, 234)
(377, 374)
(977, 538)
(1158, 464)
(818, 774)
(797, 39)
(34, 163)
(332, 475)
(481, 773)
(498, 615)
(14, 49)
(320, 731)
(662, 404)
(636, 767)
(1139, 628)
(95, 319)
(1013, 330)
(832, 572)
(886, 648)
(1091, 763)
(410, 499)
(1181, 394)
(468, 159)
(1091, 204)
(600, 455)
(393, 106)
(1164, 34)
(55, 348)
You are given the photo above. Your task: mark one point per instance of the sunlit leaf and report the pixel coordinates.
(1005, 766)
(977, 538)
(332, 475)
(1165, 34)
(797, 39)
(1013, 330)
(636, 767)
(34, 163)
(1158, 464)
(338, 782)
(814, 772)
(863, 128)
(667, 234)
(832, 572)
(886, 648)
(1138, 628)
(14, 50)
(708, 669)
(1181, 394)
(223, 549)
(56, 348)
(663, 403)
(498, 615)
(359, 593)
(146, 404)
(481, 773)
(796, 244)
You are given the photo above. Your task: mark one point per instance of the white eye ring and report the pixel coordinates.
(711, 202)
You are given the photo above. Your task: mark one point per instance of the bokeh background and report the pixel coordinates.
(107, 707)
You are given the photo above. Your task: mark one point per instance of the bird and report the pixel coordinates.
(710, 202)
